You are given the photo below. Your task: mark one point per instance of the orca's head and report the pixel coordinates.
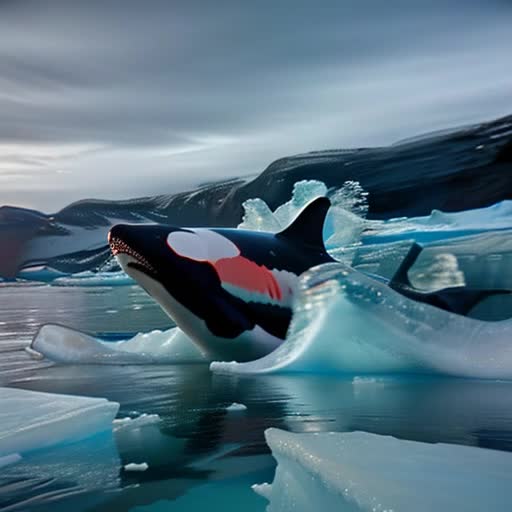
(181, 269)
(167, 259)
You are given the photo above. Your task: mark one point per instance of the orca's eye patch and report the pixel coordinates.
(202, 245)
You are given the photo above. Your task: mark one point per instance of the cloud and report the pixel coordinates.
(129, 97)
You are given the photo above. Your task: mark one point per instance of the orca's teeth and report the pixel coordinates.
(118, 246)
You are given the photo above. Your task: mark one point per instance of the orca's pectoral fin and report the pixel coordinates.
(307, 228)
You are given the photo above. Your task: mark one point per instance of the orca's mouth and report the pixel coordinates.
(119, 247)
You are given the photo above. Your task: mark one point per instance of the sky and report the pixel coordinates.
(117, 99)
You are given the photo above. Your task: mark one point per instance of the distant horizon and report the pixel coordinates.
(121, 99)
(192, 187)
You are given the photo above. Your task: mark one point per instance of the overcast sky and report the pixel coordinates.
(118, 99)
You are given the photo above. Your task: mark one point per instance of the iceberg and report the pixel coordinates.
(358, 471)
(61, 344)
(347, 322)
(442, 225)
(32, 420)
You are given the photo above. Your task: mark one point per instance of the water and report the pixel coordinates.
(199, 452)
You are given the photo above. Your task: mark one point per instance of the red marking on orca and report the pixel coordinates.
(244, 273)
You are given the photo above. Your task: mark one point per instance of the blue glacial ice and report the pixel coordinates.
(347, 322)
(64, 345)
(345, 221)
(31, 420)
(442, 225)
(362, 472)
(347, 225)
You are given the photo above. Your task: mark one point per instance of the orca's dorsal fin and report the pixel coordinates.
(307, 228)
(401, 277)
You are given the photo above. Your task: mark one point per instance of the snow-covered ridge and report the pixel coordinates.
(399, 179)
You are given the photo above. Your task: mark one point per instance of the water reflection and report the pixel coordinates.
(198, 443)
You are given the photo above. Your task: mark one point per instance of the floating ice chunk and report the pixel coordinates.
(441, 272)
(64, 345)
(31, 420)
(235, 407)
(346, 322)
(303, 192)
(264, 490)
(138, 422)
(132, 466)
(357, 471)
(259, 217)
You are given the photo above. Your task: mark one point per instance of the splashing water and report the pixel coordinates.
(345, 222)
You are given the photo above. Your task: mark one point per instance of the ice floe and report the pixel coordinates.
(64, 345)
(134, 423)
(31, 420)
(235, 407)
(347, 322)
(358, 471)
(133, 466)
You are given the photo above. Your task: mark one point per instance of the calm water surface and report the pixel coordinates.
(200, 453)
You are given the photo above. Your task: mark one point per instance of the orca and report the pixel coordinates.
(460, 300)
(230, 290)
